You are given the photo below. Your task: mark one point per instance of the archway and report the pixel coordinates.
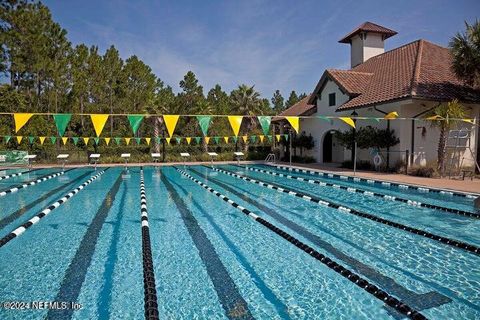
(332, 150)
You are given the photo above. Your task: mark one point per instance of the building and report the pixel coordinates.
(411, 80)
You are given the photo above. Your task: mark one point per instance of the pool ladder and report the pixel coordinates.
(270, 158)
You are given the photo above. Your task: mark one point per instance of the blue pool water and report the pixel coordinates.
(211, 261)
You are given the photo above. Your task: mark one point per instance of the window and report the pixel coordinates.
(331, 99)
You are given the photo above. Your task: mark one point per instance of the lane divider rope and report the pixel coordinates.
(32, 183)
(21, 229)
(370, 193)
(150, 291)
(353, 277)
(383, 183)
(17, 174)
(454, 243)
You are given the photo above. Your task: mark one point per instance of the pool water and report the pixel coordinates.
(212, 261)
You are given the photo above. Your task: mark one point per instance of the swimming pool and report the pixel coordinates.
(233, 242)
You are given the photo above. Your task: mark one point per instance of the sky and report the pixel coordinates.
(283, 45)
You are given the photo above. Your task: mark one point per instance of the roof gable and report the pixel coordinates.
(368, 27)
(301, 108)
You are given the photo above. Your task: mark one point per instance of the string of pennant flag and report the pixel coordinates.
(147, 140)
(99, 120)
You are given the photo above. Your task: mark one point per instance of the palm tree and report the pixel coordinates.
(246, 100)
(444, 117)
(465, 49)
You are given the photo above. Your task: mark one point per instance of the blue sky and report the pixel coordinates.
(282, 45)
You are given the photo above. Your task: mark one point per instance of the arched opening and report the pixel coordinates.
(332, 150)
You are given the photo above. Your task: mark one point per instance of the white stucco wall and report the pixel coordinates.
(363, 49)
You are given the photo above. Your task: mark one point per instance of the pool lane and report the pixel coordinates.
(10, 173)
(366, 192)
(26, 176)
(36, 262)
(312, 287)
(423, 266)
(411, 190)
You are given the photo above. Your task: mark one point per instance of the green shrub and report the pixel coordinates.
(426, 172)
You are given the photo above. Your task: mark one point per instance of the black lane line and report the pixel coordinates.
(105, 298)
(77, 270)
(42, 214)
(268, 294)
(33, 182)
(308, 197)
(8, 219)
(354, 278)
(150, 289)
(17, 174)
(233, 304)
(417, 301)
(383, 183)
(362, 191)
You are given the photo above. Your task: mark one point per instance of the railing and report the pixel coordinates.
(270, 158)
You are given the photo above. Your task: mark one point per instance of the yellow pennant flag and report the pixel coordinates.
(19, 139)
(294, 122)
(148, 140)
(278, 137)
(42, 140)
(391, 115)
(127, 141)
(348, 121)
(261, 136)
(168, 140)
(21, 119)
(189, 139)
(64, 140)
(207, 139)
(469, 121)
(235, 123)
(99, 121)
(107, 140)
(226, 139)
(170, 123)
(245, 138)
(435, 117)
(85, 140)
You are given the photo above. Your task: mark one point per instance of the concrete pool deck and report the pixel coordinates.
(467, 185)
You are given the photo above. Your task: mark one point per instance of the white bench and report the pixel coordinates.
(238, 155)
(94, 158)
(30, 158)
(64, 158)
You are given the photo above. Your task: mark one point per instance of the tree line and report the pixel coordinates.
(46, 73)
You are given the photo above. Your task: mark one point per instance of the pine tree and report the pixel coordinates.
(278, 102)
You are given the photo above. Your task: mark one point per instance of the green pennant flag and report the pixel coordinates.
(216, 139)
(253, 138)
(61, 121)
(235, 139)
(53, 139)
(97, 140)
(265, 123)
(117, 140)
(6, 139)
(178, 140)
(158, 140)
(31, 139)
(286, 137)
(326, 119)
(135, 121)
(197, 140)
(204, 122)
(138, 140)
(75, 140)
(376, 119)
(269, 138)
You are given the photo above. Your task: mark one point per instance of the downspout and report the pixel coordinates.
(388, 128)
(412, 141)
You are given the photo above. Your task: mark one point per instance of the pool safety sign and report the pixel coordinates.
(12, 157)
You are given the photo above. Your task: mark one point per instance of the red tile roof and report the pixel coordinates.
(301, 108)
(352, 82)
(368, 27)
